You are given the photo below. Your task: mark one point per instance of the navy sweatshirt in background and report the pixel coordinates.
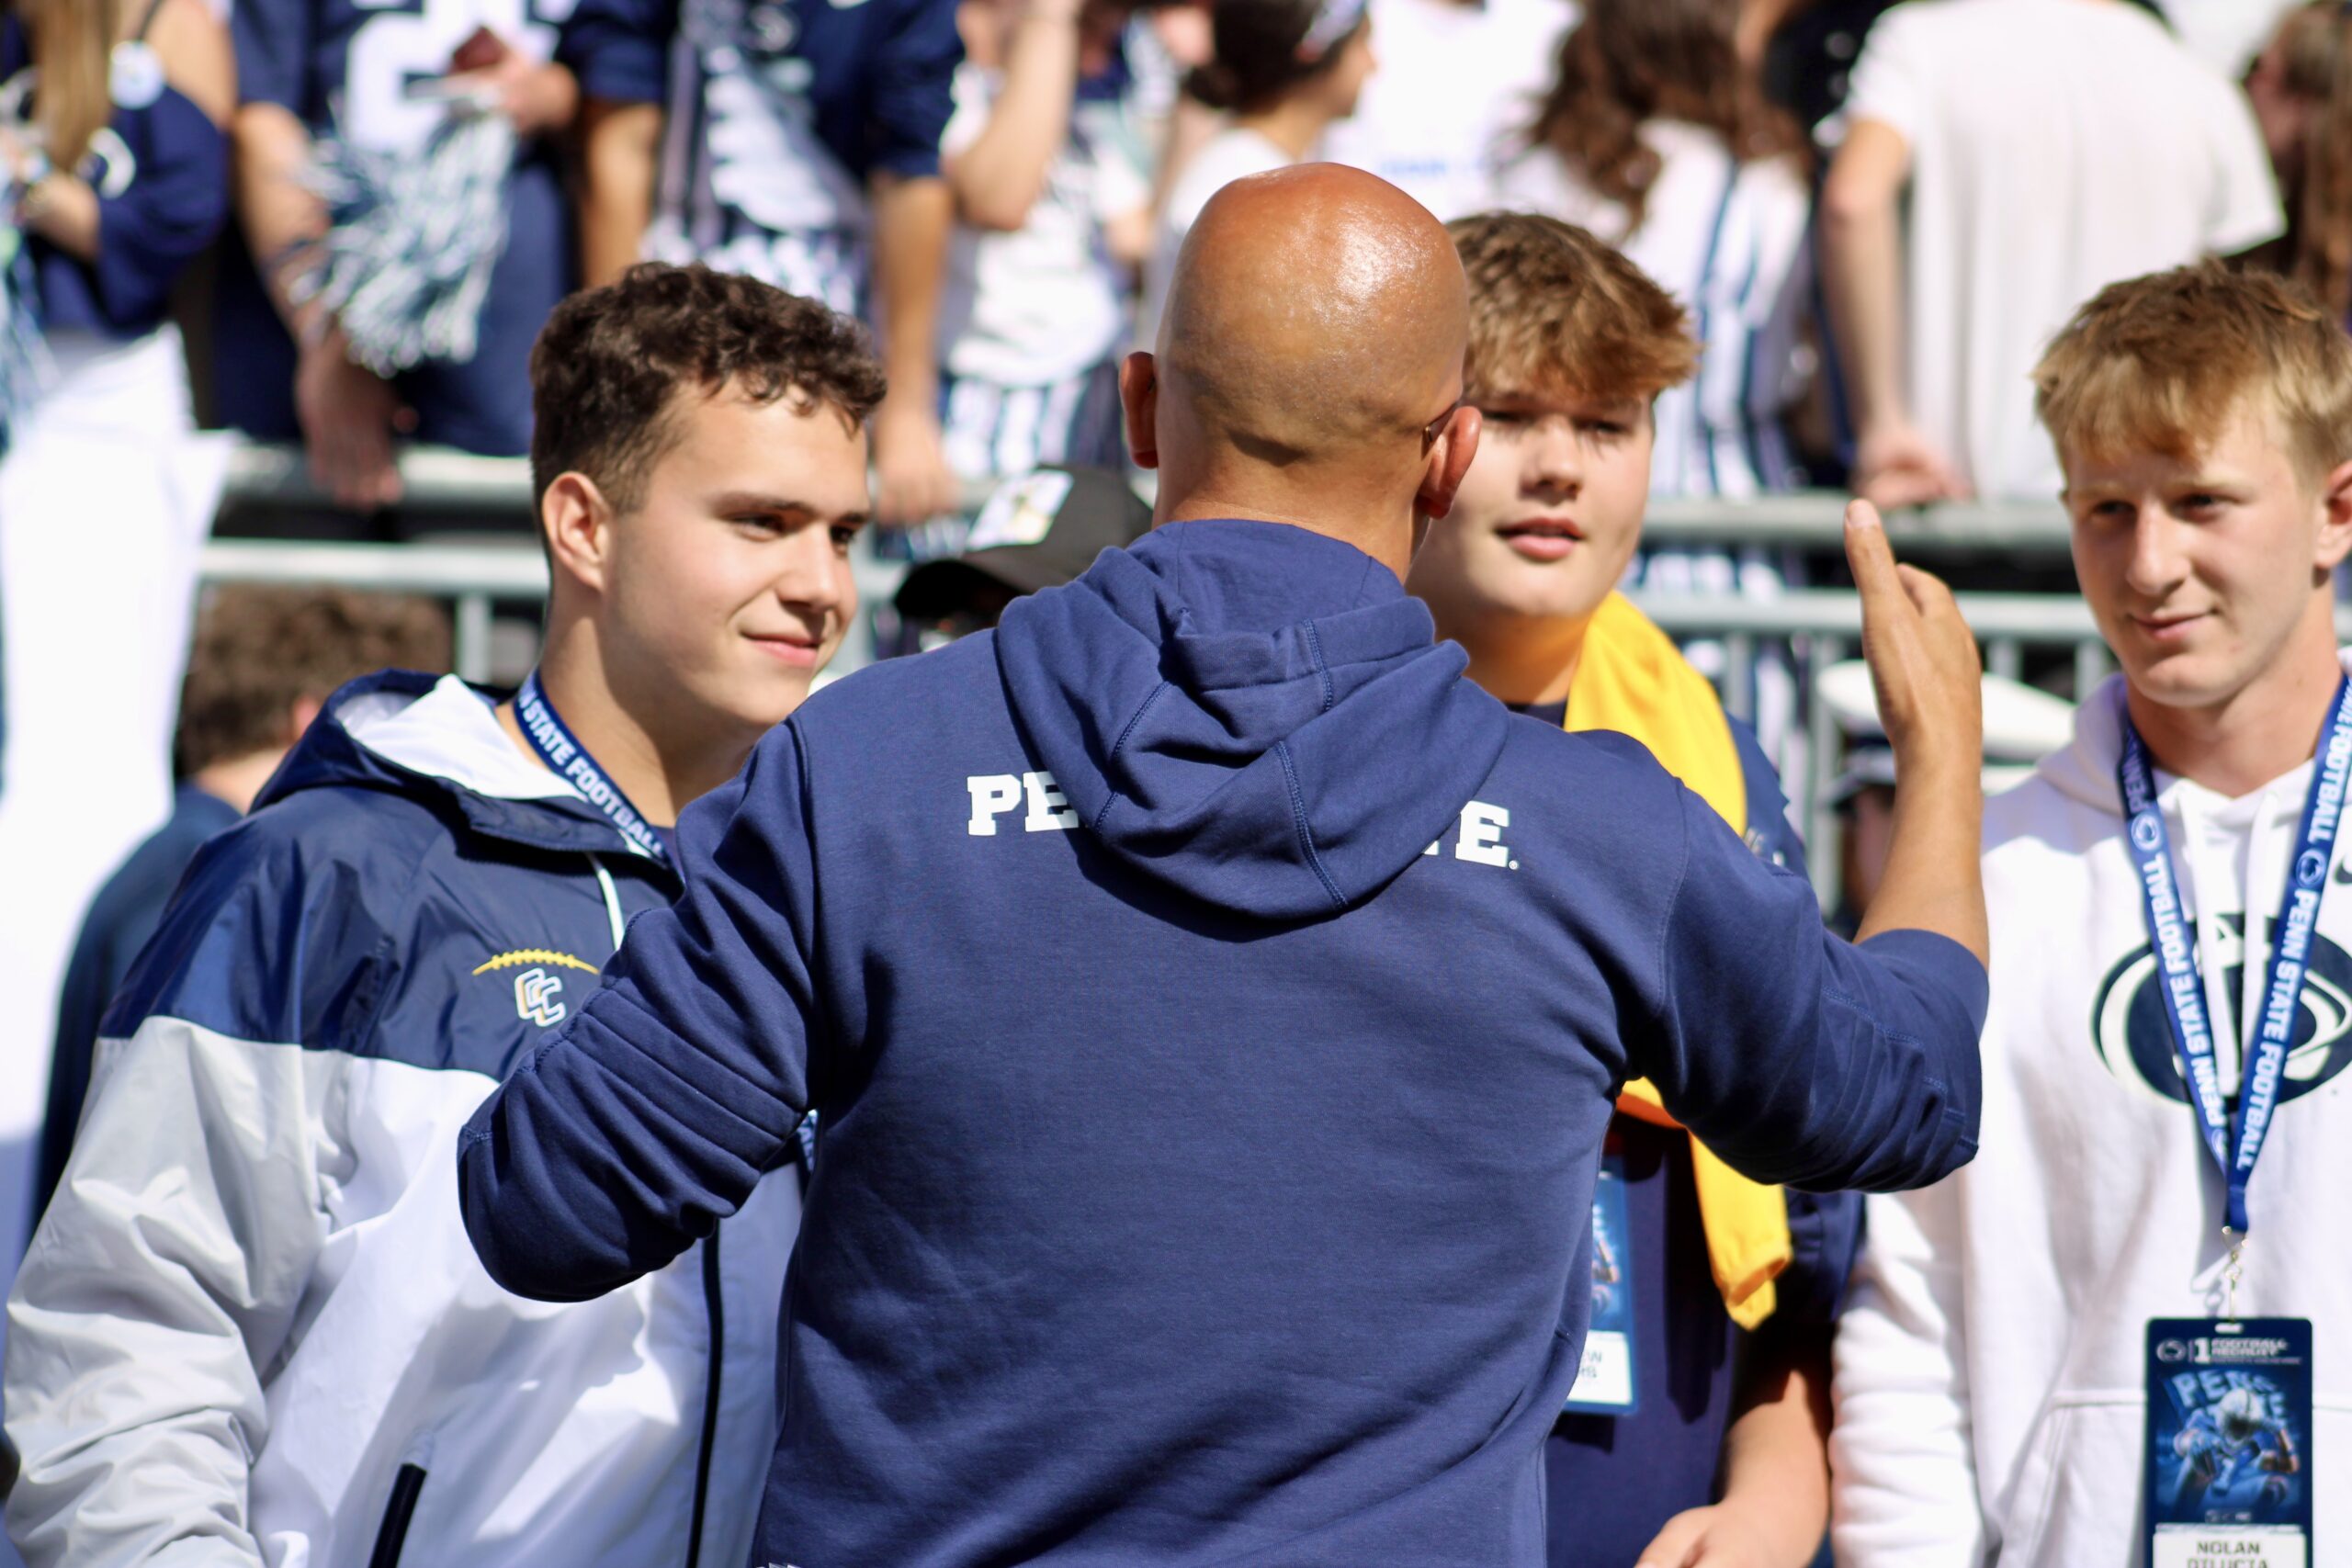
(1214, 1005)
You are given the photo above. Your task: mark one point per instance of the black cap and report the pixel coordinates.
(1037, 531)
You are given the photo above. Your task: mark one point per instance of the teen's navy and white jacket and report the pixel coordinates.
(251, 1328)
(1989, 1376)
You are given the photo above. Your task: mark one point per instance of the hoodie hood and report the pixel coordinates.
(435, 740)
(1253, 714)
(2084, 769)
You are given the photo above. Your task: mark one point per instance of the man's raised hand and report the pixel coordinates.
(1931, 704)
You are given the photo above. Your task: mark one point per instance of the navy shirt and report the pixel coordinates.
(1613, 1481)
(360, 69)
(161, 170)
(1215, 1005)
(877, 76)
(121, 919)
(778, 112)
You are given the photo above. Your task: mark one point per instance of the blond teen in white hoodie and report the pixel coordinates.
(1990, 1371)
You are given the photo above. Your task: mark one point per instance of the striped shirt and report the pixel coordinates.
(778, 112)
(1729, 241)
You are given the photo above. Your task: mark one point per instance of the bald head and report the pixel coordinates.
(1316, 312)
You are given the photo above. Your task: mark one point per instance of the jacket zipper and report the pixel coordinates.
(399, 1509)
(715, 1303)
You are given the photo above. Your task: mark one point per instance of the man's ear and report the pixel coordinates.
(1449, 460)
(576, 521)
(1139, 396)
(2336, 526)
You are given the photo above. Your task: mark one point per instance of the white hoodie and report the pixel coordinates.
(1989, 1369)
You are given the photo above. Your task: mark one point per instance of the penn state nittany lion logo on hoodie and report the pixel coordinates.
(2134, 1038)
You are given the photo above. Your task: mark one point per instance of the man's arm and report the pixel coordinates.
(1794, 1057)
(163, 1280)
(912, 221)
(348, 413)
(1776, 1470)
(1902, 1453)
(1861, 273)
(619, 51)
(621, 147)
(913, 218)
(914, 211)
(1924, 668)
(998, 178)
(655, 1112)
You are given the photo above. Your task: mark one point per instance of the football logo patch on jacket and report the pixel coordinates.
(538, 995)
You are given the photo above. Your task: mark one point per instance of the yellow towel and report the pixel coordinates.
(1632, 679)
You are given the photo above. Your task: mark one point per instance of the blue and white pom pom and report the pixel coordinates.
(25, 366)
(411, 242)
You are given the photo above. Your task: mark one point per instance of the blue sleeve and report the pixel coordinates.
(90, 978)
(619, 50)
(1825, 1241)
(1798, 1057)
(286, 927)
(275, 41)
(149, 234)
(656, 1111)
(913, 89)
(1824, 1228)
(1769, 832)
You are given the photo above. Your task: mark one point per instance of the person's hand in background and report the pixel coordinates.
(349, 416)
(912, 481)
(537, 99)
(1895, 465)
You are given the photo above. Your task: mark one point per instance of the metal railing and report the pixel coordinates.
(1806, 630)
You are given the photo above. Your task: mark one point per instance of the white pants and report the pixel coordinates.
(106, 497)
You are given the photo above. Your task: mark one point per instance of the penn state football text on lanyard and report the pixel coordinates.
(2237, 1147)
(569, 759)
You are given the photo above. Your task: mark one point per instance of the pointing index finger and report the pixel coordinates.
(1869, 553)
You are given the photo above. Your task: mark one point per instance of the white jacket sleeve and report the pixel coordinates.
(160, 1288)
(1903, 1466)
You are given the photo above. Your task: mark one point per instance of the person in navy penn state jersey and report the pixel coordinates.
(113, 155)
(250, 1329)
(1213, 1004)
(798, 142)
(380, 74)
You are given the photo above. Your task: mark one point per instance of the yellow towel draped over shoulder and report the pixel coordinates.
(1632, 679)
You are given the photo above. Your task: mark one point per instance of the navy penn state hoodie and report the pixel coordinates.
(1214, 1005)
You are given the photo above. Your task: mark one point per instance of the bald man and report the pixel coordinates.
(1213, 1003)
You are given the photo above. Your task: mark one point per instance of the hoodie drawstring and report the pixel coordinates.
(2207, 887)
(612, 901)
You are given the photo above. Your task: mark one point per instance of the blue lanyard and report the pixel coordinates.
(568, 759)
(2236, 1147)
